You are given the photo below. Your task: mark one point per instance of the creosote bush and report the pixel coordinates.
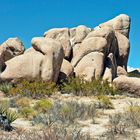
(67, 112)
(36, 89)
(23, 102)
(43, 105)
(133, 114)
(80, 87)
(27, 112)
(105, 102)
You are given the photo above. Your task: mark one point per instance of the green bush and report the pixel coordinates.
(43, 105)
(27, 112)
(33, 89)
(80, 87)
(105, 102)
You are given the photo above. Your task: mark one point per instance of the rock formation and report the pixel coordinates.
(101, 52)
(43, 61)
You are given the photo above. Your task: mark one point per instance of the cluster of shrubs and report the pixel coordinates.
(37, 89)
(80, 87)
(76, 86)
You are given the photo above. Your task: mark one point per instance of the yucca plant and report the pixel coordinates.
(5, 87)
(7, 116)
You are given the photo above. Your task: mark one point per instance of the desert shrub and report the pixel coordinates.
(43, 105)
(13, 100)
(33, 89)
(133, 115)
(73, 85)
(80, 87)
(5, 87)
(23, 102)
(68, 112)
(5, 103)
(42, 118)
(120, 127)
(27, 112)
(125, 123)
(105, 102)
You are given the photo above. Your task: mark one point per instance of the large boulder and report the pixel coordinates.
(90, 66)
(43, 62)
(93, 44)
(26, 66)
(81, 32)
(120, 24)
(129, 85)
(9, 49)
(62, 35)
(123, 50)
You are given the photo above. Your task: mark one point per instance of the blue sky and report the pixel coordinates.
(29, 18)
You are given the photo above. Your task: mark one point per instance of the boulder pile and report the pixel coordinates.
(92, 53)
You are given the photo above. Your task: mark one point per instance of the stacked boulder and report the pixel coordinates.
(96, 53)
(42, 61)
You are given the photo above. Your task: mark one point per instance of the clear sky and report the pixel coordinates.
(29, 18)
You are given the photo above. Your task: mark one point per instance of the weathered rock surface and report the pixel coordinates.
(62, 35)
(120, 24)
(42, 62)
(9, 49)
(66, 70)
(91, 66)
(93, 44)
(130, 85)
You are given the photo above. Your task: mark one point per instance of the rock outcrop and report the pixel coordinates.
(43, 61)
(101, 52)
(129, 85)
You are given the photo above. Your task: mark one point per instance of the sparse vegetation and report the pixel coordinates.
(69, 112)
(55, 132)
(23, 102)
(27, 112)
(105, 102)
(133, 114)
(124, 124)
(33, 89)
(43, 105)
(80, 87)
